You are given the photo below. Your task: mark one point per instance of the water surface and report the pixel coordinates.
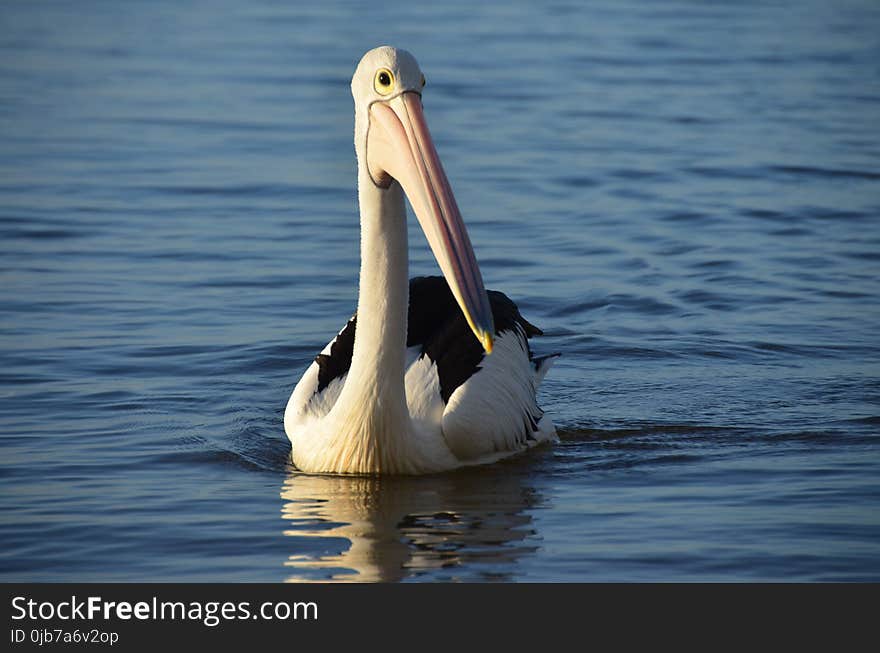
(685, 196)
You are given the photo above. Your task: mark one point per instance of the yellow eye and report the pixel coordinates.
(384, 82)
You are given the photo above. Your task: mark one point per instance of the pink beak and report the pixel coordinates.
(400, 145)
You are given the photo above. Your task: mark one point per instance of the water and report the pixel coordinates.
(685, 196)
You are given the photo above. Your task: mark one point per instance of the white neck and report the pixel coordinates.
(383, 298)
(371, 413)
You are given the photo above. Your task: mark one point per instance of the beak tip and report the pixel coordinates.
(488, 341)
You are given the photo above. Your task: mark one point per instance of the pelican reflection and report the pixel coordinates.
(473, 524)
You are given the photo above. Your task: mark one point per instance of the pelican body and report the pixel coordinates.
(429, 374)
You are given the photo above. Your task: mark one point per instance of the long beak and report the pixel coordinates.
(399, 144)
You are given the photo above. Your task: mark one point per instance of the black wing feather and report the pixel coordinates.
(438, 325)
(337, 363)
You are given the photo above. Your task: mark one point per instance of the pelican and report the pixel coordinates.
(429, 374)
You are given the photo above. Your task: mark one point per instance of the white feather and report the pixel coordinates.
(492, 411)
(487, 417)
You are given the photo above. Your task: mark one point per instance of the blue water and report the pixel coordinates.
(684, 195)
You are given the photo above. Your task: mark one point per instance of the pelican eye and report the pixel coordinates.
(423, 81)
(384, 81)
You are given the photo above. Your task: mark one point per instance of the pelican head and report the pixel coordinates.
(394, 145)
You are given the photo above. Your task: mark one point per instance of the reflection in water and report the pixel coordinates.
(472, 524)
